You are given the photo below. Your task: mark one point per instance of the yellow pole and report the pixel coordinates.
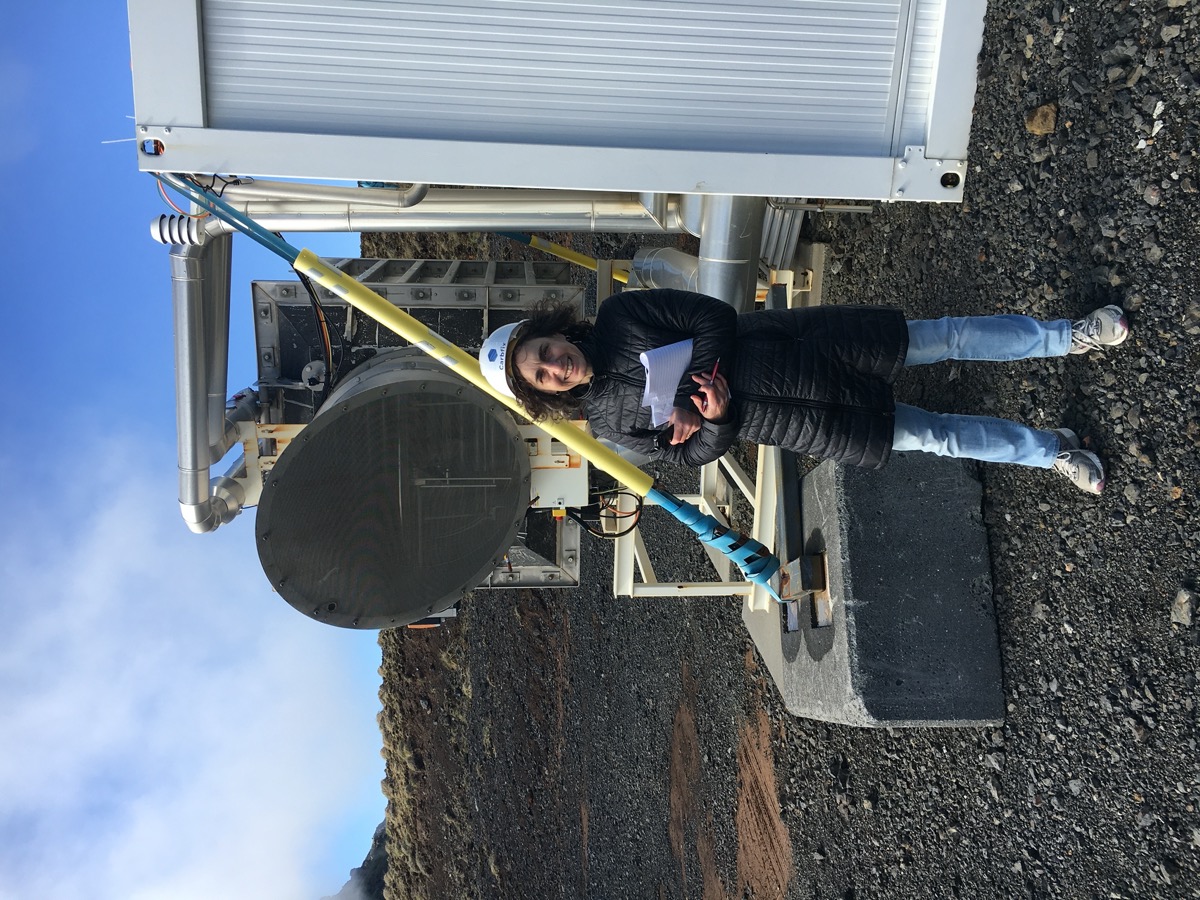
(457, 360)
(572, 256)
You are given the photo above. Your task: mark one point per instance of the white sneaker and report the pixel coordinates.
(1103, 327)
(1081, 467)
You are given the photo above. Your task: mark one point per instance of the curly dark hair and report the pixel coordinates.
(549, 318)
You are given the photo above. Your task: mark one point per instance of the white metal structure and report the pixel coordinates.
(804, 98)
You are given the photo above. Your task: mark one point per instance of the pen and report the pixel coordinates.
(711, 379)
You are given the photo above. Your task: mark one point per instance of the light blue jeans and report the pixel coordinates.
(991, 338)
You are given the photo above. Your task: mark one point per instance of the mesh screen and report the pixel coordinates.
(392, 505)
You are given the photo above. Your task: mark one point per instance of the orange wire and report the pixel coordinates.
(162, 190)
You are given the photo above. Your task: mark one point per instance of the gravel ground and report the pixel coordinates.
(608, 748)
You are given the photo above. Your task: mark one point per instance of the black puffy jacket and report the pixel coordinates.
(817, 381)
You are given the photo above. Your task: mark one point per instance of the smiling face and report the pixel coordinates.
(551, 364)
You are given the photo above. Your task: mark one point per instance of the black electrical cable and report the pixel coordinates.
(599, 508)
(211, 187)
(332, 375)
(323, 328)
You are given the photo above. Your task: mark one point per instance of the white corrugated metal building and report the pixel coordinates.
(866, 99)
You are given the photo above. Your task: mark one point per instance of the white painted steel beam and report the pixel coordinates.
(325, 156)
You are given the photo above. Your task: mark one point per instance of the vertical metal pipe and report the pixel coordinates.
(691, 211)
(215, 301)
(730, 245)
(205, 429)
(191, 412)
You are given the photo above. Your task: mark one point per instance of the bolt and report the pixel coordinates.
(143, 129)
(899, 192)
(264, 312)
(903, 164)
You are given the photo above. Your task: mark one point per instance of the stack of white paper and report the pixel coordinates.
(665, 368)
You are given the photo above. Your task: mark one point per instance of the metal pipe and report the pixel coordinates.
(191, 413)
(656, 204)
(446, 209)
(293, 190)
(691, 208)
(228, 494)
(666, 267)
(205, 429)
(730, 243)
(216, 276)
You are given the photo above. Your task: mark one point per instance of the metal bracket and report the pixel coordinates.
(808, 576)
(916, 178)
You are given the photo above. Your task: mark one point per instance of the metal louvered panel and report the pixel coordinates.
(921, 61)
(789, 76)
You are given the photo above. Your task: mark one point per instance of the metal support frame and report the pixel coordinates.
(713, 499)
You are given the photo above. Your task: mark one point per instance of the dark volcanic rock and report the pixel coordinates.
(366, 881)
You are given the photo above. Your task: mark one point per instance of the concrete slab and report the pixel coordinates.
(914, 640)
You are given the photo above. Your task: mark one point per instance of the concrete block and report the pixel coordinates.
(914, 640)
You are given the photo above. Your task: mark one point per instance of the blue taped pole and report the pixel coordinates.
(757, 563)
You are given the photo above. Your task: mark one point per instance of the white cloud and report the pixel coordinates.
(168, 726)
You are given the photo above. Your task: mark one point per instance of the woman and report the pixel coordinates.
(817, 380)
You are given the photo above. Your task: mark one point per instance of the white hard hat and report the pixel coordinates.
(493, 357)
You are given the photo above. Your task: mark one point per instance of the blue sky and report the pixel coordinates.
(168, 726)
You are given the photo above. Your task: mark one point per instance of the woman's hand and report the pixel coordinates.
(683, 424)
(713, 399)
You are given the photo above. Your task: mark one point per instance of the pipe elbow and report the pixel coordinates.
(199, 517)
(228, 499)
(414, 195)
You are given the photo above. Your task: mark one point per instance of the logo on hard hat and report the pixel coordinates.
(492, 354)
